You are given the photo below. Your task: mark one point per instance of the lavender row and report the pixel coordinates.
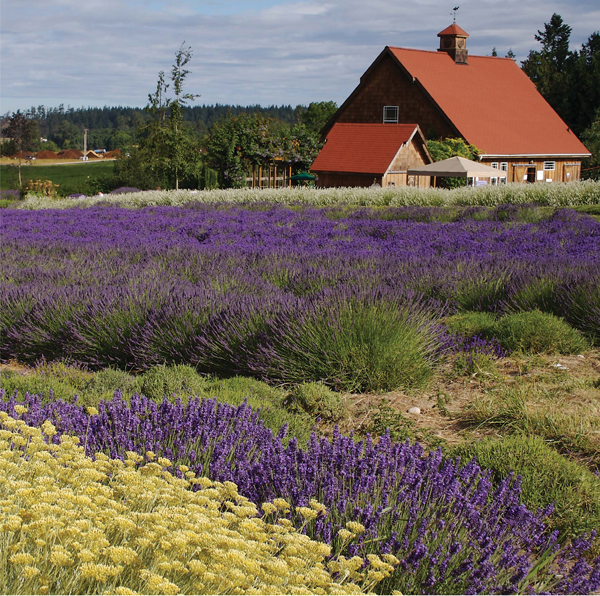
(451, 530)
(230, 289)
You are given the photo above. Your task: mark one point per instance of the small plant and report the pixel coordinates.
(105, 382)
(469, 324)
(73, 374)
(318, 400)
(536, 332)
(387, 419)
(468, 363)
(180, 380)
(45, 188)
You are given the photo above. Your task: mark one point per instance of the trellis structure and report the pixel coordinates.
(276, 174)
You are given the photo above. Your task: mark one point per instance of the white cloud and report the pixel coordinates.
(108, 52)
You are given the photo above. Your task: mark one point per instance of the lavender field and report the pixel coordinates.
(355, 298)
(361, 299)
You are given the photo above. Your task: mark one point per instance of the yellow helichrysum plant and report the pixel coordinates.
(73, 525)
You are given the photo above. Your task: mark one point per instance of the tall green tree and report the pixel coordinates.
(237, 143)
(24, 134)
(447, 148)
(169, 147)
(584, 88)
(550, 67)
(591, 139)
(317, 114)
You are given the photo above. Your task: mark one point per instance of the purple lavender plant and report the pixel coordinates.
(166, 284)
(452, 532)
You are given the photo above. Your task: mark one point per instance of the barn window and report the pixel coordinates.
(494, 164)
(549, 165)
(390, 114)
(504, 166)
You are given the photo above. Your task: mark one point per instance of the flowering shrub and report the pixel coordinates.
(556, 195)
(71, 524)
(450, 530)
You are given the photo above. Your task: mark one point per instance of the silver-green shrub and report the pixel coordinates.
(554, 195)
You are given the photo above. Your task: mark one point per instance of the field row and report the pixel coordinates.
(555, 195)
(358, 300)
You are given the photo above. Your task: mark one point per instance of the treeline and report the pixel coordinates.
(117, 127)
(569, 80)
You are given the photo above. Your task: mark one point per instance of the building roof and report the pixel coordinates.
(453, 29)
(362, 148)
(492, 103)
(456, 167)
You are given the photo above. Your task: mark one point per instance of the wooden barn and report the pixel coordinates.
(366, 154)
(488, 101)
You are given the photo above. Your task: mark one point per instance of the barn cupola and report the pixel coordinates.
(453, 41)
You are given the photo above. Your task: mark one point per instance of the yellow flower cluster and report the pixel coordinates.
(70, 524)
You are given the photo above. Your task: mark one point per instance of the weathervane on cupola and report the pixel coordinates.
(453, 41)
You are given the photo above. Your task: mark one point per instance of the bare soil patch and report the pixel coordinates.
(571, 383)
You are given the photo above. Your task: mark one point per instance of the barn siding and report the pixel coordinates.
(410, 156)
(518, 168)
(333, 179)
(388, 85)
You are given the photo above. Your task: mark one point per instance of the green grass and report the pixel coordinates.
(547, 478)
(70, 175)
(536, 410)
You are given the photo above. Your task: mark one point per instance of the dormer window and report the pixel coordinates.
(390, 114)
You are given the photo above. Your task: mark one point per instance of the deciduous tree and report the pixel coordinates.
(24, 133)
(447, 148)
(168, 145)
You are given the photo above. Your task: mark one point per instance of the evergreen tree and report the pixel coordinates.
(591, 138)
(584, 90)
(549, 67)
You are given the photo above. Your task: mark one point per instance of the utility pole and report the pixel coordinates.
(85, 131)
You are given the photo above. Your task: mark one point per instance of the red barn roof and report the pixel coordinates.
(362, 148)
(492, 103)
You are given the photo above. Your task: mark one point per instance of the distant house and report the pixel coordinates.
(365, 154)
(490, 102)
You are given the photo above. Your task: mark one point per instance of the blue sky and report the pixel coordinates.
(109, 52)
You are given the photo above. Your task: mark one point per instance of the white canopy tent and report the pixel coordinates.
(456, 167)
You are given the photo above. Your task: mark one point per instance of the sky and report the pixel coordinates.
(96, 53)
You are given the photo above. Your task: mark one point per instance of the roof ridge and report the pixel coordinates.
(385, 124)
(438, 53)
